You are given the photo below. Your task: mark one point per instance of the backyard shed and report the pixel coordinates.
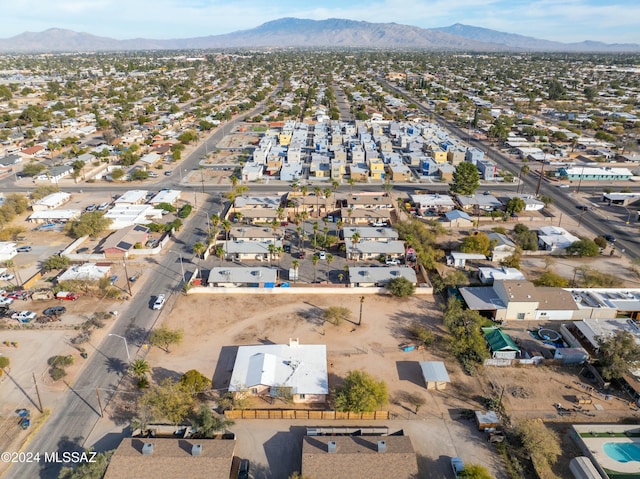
(487, 420)
(435, 375)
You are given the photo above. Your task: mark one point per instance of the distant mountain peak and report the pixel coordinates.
(306, 33)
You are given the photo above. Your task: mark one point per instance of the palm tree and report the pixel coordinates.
(355, 239)
(327, 196)
(272, 252)
(315, 260)
(304, 190)
(234, 181)
(239, 216)
(139, 368)
(351, 182)
(330, 259)
(317, 191)
(315, 234)
(295, 264)
(199, 248)
(280, 213)
(226, 226)
(219, 252)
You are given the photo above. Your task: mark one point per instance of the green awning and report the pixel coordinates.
(499, 341)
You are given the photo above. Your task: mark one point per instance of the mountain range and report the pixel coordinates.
(302, 33)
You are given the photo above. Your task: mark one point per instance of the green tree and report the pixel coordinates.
(44, 190)
(600, 241)
(195, 382)
(466, 179)
(199, 248)
(525, 238)
(337, 314)
(475, 471)
(618, 354)
(117, 174)
(401, 287)
(166, 401)
(360, 392)
(512, 261)
(163, 337)
(188, 136)
(166, 206)
(56, 262)
(477, 243)
(583, 247)
(94, 469)
(92, 224)
(33, 169)
(207, 423)
(4, 362)
(549, 278)
(515, 205)
(139, 175)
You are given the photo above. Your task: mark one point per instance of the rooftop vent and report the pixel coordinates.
(196, 450)
(332, 447)
(382, 446)
(147, 449)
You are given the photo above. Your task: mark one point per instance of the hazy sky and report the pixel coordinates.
(611, 21)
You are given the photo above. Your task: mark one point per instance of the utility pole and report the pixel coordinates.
(127, 274)
(361, 303)
(37, 392)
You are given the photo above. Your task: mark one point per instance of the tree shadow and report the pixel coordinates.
(159, 374)
(313, 315)
(116, 365)
(136, 335)
(49, 469)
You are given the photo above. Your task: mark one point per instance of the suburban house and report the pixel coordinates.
(242, 277)
(132, 197)
(555, 239)
(52, 201)
(120, 242)
(476, 202)
(370, 233)
(255, 233)
(510, 300)
(355, 457)
(457, 219)
(165, 196)
(366, 276)
(84, 272)
(501, 246)
(429, 205)
(240, 249)
(53, 216)
(296, 371)
(123, 215)
(363, 250)
(171, 458)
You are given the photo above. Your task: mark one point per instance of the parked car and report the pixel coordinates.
(54, 311)
(103, 206)
(6, 301)
(392, 262)
(167, 173)
(24, 316)
(153, 174)
(67, 296)
(113, 279)
(457, 466)
(379, 223)
(21, 295)
(243, 469)
(321, 255)
(610, 238)
(159, 302)
(23, 249)
(6, 277)
(91, 208)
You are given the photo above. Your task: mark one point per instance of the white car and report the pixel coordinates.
(457, 466)
(392, 262)
(24, 316)
(6, 276)
(322, 255)
(159, 303)
(379, 223)
(5, 301)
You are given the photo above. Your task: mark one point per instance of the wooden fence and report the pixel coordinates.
(304, 414)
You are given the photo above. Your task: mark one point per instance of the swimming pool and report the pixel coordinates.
(622, 451)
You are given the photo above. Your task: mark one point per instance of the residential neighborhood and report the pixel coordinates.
(225, 262)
